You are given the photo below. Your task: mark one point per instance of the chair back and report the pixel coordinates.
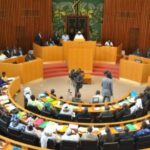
(89, 145)
(64, 117)
(143, 142)
(127, 144)
(68, 145)
(107, 118)
(87, 120)
(51, 144)
(111, 146)
(30, 139)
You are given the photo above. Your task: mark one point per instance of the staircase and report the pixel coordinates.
(54, 69)
(99, 68)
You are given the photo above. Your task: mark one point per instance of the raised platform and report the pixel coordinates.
(59, 68)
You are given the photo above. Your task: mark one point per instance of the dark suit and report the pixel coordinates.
(125, 135)
(7, 53)
(107, 138)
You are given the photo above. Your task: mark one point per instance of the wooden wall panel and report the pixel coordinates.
(127, 22)
(21, 20)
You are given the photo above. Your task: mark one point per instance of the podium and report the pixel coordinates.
(27, 71)
(79, 54)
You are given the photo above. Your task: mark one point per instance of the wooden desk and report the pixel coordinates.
(149, 81)
(27, 71)
(107, 53)
(49, 53)
(79, 54)
(135, 71)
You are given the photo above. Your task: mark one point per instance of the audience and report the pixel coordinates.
(71, 135)
(106, 136)
(89, 136)
(106, 113)
(98, 98)
(65, 37)
(138, 104)
(143, 131)
(4, 76)
(84, 114)
(67, 110)
(30, 56)
(109, 43)
(126, 134)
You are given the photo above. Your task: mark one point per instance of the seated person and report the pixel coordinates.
(30, 129)
(148, 53)
(51, 42)
(71, 34)
(143, 131)
(65, 37)
(2, 82)
(79, 36)
(126, 134)
(67, 110)
(14, 52)
(48, 133)
(71, 135)
(38, 39)
(34, 102)
(2, 56)
(106, 113)
(137, 52)
(52, 92)
(15, 123)
(138, 104)
(89, 135)
(20, 51)
(29, 56)
(56, 38)
(108, 43)
(125, 111)
(97, 98)
(84, 114)
(106, 136)
(4, 76)
(7, 52)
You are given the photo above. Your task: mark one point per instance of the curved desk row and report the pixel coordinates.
(16, 88)
(27, 71)
(92, 108)
(10, 144)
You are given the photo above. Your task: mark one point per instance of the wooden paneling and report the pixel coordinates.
(127, 22)
(21, 20)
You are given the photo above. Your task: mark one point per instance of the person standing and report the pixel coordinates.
(107, 84)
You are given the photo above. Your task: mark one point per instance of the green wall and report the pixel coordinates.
(91, 8)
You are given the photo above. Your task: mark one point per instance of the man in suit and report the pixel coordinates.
(7, 52)
(89, 135)
(38, 39)
(126, 134)
(107, 136)
(107, 84)
(106, 113)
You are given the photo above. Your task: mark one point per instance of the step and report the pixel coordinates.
(55, 70)
(55, 74)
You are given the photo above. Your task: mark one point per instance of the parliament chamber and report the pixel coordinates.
(95, 55)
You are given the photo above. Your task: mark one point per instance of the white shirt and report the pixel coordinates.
(138, 105)
(65, 37)
(97, 99)
(2, 57)
(69, 110)
(72, 137)
(79, 37)
(107, 43)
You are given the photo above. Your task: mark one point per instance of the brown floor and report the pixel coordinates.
(62, 84)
